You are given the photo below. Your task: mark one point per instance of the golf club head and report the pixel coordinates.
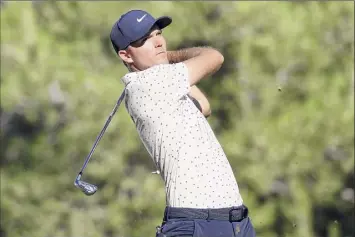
(88, 189)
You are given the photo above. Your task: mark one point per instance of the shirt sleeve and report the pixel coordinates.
(168, 81)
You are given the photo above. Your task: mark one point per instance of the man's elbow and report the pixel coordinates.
(219, 59)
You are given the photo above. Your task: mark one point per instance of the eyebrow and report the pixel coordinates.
(154, 29)
(150, 33)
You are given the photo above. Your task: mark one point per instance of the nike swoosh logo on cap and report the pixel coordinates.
(140, 19)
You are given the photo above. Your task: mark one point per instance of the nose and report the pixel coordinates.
(158, 42)
(158, 45)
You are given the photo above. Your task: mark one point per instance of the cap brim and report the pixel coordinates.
(163, 21)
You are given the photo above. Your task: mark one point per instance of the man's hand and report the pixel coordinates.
(197, 104)
(197, 94)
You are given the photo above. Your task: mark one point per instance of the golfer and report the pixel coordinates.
(202, 195)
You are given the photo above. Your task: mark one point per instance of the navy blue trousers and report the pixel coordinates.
(206, 228)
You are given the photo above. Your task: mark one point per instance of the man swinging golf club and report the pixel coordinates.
(202, 195)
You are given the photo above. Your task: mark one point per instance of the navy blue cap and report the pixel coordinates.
(133, 26)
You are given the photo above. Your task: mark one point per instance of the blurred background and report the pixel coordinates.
(292, 151)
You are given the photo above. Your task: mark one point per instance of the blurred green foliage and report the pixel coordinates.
(292, 150)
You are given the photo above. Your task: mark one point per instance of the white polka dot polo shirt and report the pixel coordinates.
(179, 139)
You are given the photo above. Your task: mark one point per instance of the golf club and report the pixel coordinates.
(87, 188)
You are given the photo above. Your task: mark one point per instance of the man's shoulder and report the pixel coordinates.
(154, 75)
(163, 68)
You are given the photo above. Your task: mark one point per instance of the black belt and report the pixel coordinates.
(232, 214)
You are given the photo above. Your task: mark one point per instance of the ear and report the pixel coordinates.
(125, 56)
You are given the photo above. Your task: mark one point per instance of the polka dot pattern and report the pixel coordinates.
(179, 139)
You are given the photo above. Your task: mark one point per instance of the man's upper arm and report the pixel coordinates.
(206, 63)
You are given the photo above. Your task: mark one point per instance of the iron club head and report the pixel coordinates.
(88, 189)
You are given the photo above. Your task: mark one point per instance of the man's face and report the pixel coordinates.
(146, 52)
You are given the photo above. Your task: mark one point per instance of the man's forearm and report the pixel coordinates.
(201, 62)
(184, 54)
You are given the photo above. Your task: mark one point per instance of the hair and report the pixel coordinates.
(127, 66)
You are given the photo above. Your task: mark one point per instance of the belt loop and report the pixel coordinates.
(208, 214)
(166, 213)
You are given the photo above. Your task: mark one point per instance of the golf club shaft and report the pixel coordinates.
(102, 132)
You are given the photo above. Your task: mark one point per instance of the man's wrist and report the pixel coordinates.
(174, 56)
